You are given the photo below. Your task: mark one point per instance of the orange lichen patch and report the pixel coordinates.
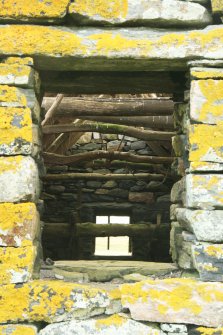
(16, 9)
(17, 330)
(217, 6)
(16, 264)
(206, 143)
(212, 92)
(15, 123)
(10, 164)
(12, 95)
(114, 320)
(108, 10)
(18, 224)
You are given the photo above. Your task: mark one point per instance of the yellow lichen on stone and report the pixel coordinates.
(17, 330)
(207, 73)
(18, 60)
(114, 320)
(52, 41)
(10, 164)
(212, 94)
(16, 9)
(217, 6)
(209, 331)
(15, 123)
(18, 224)
(16, 264)
(14, 70)
(214, 251)
(207, 267)
(108, 10)
(11, 95)
(206, 143)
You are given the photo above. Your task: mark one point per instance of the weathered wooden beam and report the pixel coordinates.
(76, 107)
(106, 128)
(91, 82)
(153, 122)
(103, 230)
(51, 158)
(110, 176)
(125, 164)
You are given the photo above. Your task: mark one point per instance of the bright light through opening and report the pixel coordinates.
(112, 246)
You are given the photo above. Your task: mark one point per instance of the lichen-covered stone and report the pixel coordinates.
(206, 98)
(206, 73)
(58, 47)
(19, 179)
(208, 260)
(175, 301)
(179, 143)
(155, 12)
(13, 329)
(178, 191)
(206, 225)
(50, 301)
(16, 134)
(14, 97)
(217, 6)
(206, 331)
(206, 143)
(204, 191)
(205, 166)
(17, 75)
(32, 10)
(18, 224)
(113, 325)
(16, 264)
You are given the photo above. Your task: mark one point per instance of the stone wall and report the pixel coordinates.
(83, 200)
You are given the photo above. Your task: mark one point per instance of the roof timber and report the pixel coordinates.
(97, 49)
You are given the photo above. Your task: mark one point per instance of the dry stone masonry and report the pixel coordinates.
(119, 35)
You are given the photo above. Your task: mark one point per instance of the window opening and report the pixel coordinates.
(113, 246)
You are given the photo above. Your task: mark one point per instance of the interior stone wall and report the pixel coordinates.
(143, 200)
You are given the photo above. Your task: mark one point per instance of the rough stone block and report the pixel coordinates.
(16, 135)
(206, 73)
(177, 194)
(206, 225)
(175, 301)
(173, 328)
(181, 117)
(14, 329)
(19, 179)
(16, 75)
(18, 224)
(146, 197)
(208, 260)
(33, 10)
(204, 191)
(16, 264)
(206, 98)
(20, 98)
(156, 12)
(206, 143)
(115, 325)
(50, 301)
(205, 167)
(58, 47)
(179, 143)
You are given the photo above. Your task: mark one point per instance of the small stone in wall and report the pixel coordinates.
(146, 197)
(113, 325)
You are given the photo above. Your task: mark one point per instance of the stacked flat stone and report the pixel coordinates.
(199, 220)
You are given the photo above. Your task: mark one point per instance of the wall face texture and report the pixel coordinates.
(126, 34)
